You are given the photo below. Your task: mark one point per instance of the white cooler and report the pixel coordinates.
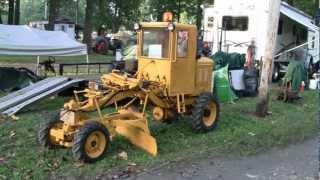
(236, 78)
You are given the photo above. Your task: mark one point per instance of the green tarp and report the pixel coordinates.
(222, 86)
(130, 52)
(233, 60)
(296, 73)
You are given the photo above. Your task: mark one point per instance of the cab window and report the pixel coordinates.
(182, 44)
(155, 43)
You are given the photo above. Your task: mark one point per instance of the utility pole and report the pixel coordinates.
(267, 60)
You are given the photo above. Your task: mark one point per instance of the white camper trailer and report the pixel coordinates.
(64, 25)
(231, 26)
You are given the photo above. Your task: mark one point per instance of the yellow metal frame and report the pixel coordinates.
(172, 83)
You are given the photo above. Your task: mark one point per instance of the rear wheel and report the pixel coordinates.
(91, 142)
(102, 47)
(164, 115)
(43, 137)
(205, 113)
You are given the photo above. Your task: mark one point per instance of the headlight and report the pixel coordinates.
(136, 26)
(171, 27)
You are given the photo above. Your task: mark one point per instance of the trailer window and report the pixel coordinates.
(231, 23)
(155, 43)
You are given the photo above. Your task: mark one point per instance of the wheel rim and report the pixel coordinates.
(52, 136)
(95, 144)
(210, 114)
(158, 113)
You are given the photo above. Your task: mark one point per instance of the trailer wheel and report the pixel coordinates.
(276, 73)
(91, 142)
(310, 68)
(43, 137)
(205, 114)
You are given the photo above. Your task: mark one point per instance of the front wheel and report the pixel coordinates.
(205, 113)
(91, 142)
(43, 137)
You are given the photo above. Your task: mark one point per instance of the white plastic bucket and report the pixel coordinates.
(118, 55)
(313, 84)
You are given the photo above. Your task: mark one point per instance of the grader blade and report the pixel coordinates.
(137, 136)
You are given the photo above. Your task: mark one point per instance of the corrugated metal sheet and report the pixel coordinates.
(14, 102)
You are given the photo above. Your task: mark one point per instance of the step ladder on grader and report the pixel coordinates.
(169, 78)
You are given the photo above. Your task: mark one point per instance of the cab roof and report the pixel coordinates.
(165, 24)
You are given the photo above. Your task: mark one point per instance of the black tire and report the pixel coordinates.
(311, 69)
(200, 110)
(276, 73)
(43, 137)
(172, 116)
(80, 140)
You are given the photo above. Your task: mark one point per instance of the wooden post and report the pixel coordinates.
(267, 60)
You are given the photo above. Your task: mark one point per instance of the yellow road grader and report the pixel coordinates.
(170, 79)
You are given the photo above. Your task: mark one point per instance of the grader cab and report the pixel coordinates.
(169, 78)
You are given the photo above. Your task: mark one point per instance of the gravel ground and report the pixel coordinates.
(296, 162)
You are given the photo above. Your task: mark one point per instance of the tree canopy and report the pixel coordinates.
(112, 14)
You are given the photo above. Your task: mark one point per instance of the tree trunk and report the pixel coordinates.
(267, 60)
(11, 12)
(87, 39)
(179, 10)
(17, 13)
(53, 13)
(102, 14)
(116, 18)
(199, 14)
(1, 22)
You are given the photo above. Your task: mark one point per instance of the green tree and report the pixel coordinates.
(33, 11)
(88, 24)
(122, 12)
(308, 6)
(2, 9)
(189, 10)
(54, 7)
(73, 10)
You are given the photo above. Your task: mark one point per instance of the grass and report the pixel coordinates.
(71, 59)
(238, 133)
